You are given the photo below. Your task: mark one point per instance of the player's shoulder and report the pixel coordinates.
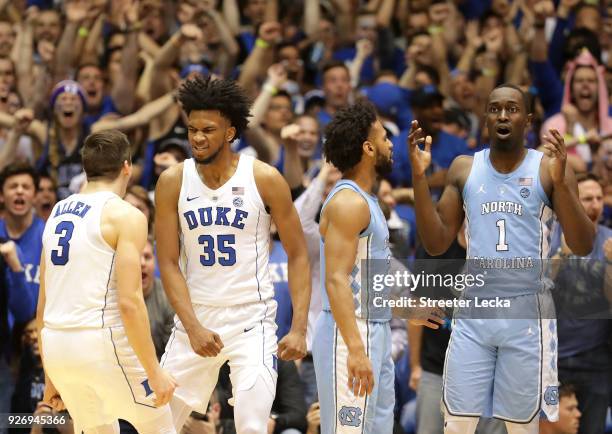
(120, 212)
(169, 182)
(263, 172)
(268, 180)
(347, 210)
(172, 174)
(462, 161)
(347, 202)
(460, 169)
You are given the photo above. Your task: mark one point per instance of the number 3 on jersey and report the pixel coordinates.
(224, 247)
(60, 256)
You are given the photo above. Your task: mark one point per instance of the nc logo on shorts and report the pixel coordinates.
(551, 395)
(350, 416)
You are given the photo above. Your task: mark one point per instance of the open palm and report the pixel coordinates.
(419, 158)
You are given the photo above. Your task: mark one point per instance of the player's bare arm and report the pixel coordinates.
(125, 228)
(437, 225)
(204, 342)
(560, 185)
(51, 395)
(341, 236)
(276, 195)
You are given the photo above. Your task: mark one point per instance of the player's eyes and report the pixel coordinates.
(492, 109)
(513, 109)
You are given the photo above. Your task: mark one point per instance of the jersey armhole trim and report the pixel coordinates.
(258, 199)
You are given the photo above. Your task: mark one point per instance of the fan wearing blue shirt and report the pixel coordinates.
(18, 184)
(427, 108)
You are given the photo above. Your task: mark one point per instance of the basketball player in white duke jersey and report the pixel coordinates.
(502, 367)
(94, 333)
(213, 229)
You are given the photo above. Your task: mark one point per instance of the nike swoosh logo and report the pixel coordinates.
(189, 199)
(248, 330)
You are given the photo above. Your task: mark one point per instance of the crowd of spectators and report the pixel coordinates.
(71, 67)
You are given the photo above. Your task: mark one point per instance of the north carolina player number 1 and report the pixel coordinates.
(501, 245)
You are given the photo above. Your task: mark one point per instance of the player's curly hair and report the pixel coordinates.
(345, 134)
(203, 93)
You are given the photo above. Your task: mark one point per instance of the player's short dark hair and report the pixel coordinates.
(345, 134)
(103, 154)
(18, 168)
(225, 96)
(566, 391)
(526, 98)
(588, 176)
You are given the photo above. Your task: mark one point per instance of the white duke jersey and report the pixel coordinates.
(80, 282)
(225, 238)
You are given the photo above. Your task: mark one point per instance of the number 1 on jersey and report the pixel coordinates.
(501, 245)
(60, 256)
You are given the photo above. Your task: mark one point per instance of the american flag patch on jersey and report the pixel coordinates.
(525, 181)
(237, 190)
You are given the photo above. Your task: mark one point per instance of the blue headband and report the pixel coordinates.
(68, 86)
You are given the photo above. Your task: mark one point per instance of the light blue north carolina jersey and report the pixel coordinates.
(341, 411)
(373, 253)
(506, 227)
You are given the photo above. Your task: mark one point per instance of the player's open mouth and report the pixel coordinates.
(68, 114)
(92, 93)
(503, 131)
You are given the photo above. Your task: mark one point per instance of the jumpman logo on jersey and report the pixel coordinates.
(481, 189)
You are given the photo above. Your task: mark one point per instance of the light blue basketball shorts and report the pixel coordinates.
(341, 411)
(505, 367)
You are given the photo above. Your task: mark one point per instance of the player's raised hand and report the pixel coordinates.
(419, 158)
(205, 342)
(163, 385)
(292, 346)
(360, 374)
(555, 149)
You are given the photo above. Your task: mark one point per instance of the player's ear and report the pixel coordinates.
(230, 133)
(368, 148)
